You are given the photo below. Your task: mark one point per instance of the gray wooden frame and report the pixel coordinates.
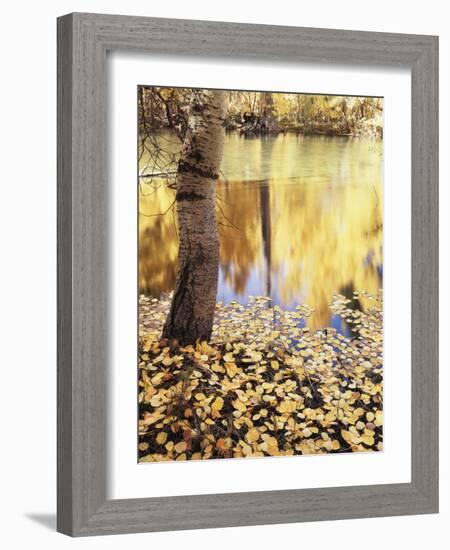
(83, 40)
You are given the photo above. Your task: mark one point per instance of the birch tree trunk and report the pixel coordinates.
(191, 313)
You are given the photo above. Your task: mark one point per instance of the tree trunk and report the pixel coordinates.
(192, 310)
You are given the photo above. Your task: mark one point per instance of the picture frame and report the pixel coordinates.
(83, 40)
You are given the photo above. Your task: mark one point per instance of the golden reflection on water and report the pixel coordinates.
(301, 219)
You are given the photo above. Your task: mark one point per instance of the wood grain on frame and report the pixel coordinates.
(83, 241)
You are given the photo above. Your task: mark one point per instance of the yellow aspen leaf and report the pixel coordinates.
(161, 438)
(379, 418)
(157, 378)
(180, 447)
(242, 395)
(246, 449)
(143, 446)
(231, 369)
(347, 435)
(147, 345)
(239, 405)
(224, 444)
(200, 396)
(252, 435)
(205, 347)
(252, 357)
(152, 458)
(269, 398)
(151, 418)
(370, 416)
(156, 401)
(287, 406)
(368, 440)
(216, 406)
(272, 446)
(149, 393)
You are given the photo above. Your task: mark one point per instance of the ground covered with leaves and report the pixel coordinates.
(265, 385)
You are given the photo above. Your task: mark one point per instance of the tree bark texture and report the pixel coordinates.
(193, 304)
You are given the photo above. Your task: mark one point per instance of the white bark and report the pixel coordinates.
(192, 310)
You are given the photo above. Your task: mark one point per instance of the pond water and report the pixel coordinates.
(301, 219)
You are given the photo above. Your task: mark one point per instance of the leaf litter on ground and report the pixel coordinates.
(265, 385)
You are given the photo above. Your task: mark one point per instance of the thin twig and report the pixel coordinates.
(160, 213)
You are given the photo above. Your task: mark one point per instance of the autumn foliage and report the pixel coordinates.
(265, 385)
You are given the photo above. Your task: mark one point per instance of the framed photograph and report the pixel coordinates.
(251, 204)
(247, 274)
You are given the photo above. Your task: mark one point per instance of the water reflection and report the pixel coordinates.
(300, 220)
